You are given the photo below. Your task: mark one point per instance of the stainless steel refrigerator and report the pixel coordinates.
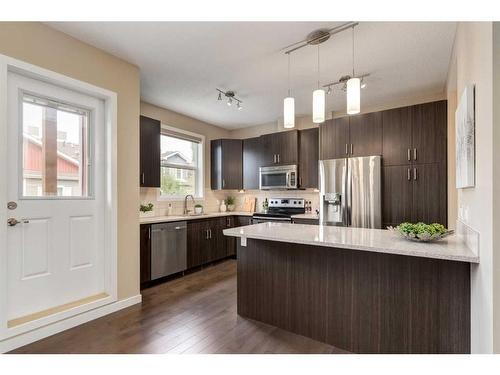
(350, 192)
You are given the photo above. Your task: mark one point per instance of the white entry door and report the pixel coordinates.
(56, 189)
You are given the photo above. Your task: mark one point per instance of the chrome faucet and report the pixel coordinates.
(186, 211)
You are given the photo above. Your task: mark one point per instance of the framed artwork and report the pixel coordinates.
(465, 140)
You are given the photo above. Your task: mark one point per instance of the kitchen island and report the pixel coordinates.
(362, 290)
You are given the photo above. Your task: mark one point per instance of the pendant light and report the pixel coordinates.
(353, 88)
(318, 102)
(289, 105)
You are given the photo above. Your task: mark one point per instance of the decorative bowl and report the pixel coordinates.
(420, 236)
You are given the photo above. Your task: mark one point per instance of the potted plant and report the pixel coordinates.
(146, 210)
(230, 203)
(198, 209)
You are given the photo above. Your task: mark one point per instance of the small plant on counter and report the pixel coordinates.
(198, 208)
(146, 207)
(230, 203)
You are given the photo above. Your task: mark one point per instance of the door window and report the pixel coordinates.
(56, 157)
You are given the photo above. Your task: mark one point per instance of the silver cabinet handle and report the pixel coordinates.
(274, 158)
(278, 158)
(223, 182)
(178, 228)
(415, 176)
(414, 154)
(142, 178)
(149, 233)
(206, 234)
(409, 154)
(351, 149)
(409, 174)
(346, 150)
(210, 233)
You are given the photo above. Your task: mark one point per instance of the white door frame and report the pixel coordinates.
(8, 64)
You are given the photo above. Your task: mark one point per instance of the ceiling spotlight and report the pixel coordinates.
(230, 95)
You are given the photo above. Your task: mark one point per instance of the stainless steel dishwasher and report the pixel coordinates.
(168, 249)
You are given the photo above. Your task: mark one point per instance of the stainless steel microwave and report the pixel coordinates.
(278, 177)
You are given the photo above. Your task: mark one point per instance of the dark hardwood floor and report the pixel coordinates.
(192, 314)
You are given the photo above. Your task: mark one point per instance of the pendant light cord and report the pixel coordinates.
(353, 52)
(318, 66)
(289, 89)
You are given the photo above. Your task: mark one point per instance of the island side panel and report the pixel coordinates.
(359, 301)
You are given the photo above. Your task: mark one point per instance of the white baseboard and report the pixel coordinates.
(62, 325)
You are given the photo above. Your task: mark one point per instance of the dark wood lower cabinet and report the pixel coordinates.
(359, 301)
(145, 253)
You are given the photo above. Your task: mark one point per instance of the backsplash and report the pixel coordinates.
(213, 198)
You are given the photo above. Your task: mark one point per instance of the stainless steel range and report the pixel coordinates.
(280, 210)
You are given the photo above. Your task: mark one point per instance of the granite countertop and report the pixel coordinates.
(374, 240)
(166, 219)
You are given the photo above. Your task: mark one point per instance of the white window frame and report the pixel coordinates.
(200, 167)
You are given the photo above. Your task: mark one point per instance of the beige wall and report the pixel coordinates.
(472, 64)
(41, 45)
(496, 187)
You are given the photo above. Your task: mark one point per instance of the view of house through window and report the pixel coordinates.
(54, 149)
(180, 172)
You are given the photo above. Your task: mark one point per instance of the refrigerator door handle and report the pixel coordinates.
(347, 201)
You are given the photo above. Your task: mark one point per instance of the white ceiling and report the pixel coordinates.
(182, 63)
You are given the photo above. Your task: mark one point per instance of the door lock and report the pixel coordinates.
(12, 205)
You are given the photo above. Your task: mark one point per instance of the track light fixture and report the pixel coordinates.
(231, 96)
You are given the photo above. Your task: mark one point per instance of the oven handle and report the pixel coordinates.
(272, 218)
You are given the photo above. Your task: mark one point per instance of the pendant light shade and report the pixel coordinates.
(318, 106)
(353, 96)
(289, 105)
(289, 112)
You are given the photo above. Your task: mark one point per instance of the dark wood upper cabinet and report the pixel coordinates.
(365, 134)
(429, 127)
(226, 164)
(145, 253)
(150, 131)
(280, 148)
(251, 162)
(334, 138)
(308, 155)
(396, 136)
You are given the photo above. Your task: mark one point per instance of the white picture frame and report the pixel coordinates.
(465, 139)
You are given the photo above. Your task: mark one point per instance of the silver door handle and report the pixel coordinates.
(415, 173)
(351, 149)
(414, 154)
(346, 150)
(11, 222)
(409, 174)
(409, 154)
